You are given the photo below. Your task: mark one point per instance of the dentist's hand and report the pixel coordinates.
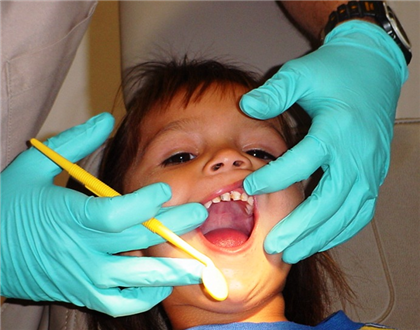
(350, 87)
(57, 244)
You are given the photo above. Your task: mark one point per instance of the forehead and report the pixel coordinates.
(216, 103)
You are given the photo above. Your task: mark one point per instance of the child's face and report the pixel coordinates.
(204, 151)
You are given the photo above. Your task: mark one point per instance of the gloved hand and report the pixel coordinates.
(349, 87)
(57, 244)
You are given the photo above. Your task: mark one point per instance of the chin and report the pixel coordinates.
(256, 301)
(255, 279)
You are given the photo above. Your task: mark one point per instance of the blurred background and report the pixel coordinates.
(252, 32)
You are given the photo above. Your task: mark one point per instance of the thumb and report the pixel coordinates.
(278, 94)
(79, 141)
(73, 144)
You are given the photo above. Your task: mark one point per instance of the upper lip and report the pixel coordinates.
(236, 186)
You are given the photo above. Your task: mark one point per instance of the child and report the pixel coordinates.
(184, 127)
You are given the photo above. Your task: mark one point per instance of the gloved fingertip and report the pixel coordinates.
(104, 122)
(79, 141)
(165, 188)
(193, 272)
(192, 215)
(196, 215)
(297, 252)
(102, 117)
(272, 246)
(248, 186)
(253, 185)
(290, 258)
(158, 191)
(254, 105)
(199, 211)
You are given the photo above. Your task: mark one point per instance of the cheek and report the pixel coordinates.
(288, 199)
(272, 209)
(279, 271)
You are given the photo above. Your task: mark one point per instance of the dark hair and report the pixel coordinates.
(150, 87)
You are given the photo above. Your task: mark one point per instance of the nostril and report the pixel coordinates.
(217, 166)
(238, 163)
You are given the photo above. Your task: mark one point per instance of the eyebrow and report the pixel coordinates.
(182, 124)
(269, 124)
(178, 125)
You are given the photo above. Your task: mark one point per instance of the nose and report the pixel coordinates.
(226, 160)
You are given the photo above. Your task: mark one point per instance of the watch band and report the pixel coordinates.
(382, 14)
(350, 10)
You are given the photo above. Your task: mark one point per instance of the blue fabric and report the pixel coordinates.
(336, 321)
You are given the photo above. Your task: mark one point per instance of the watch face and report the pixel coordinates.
(397, 27)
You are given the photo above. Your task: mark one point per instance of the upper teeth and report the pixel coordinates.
(228, 196)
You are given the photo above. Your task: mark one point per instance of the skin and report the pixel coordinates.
(218, 143)
(312, 16)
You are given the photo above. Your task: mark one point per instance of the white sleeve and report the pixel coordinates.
(39, 43)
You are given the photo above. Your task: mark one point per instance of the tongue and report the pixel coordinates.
(226, 237)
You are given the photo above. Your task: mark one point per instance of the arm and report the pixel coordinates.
(350, 87)
(58, 244)
(313, 15)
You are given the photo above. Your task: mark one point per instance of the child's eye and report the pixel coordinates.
(261, 154)
(178, 158)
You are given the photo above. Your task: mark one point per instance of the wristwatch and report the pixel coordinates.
(378, 10)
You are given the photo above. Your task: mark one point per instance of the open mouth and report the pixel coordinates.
(231, 219)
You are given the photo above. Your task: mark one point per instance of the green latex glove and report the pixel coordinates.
(57, 244)
(350, 87)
